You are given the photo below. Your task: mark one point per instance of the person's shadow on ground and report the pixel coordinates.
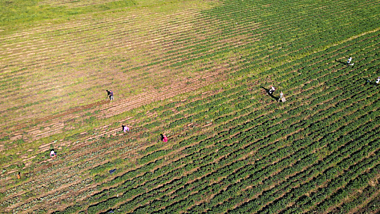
(341, 62)
(267, 92)
(369, 82)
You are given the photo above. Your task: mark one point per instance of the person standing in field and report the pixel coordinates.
(52, 154)
(164, 138)
(378, 80)
(282, 98)
(110, 94)
(18, 175)
(271, 90)
(124, 128)
(349, 61)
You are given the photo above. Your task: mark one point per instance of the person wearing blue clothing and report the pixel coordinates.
(110, 94)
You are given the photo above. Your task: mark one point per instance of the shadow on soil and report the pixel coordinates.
(267, 91)
(341, 62)
(369, 82)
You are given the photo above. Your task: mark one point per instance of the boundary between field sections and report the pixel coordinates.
(357, 36)
(347, 40)
(324, 48)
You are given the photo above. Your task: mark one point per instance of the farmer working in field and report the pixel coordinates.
(349, 61)
(164, 138)
(281, 98)
(271, 90)
(124, 128)
(52, 154)
(110, 94)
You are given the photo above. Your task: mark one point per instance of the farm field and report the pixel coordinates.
(198, 72)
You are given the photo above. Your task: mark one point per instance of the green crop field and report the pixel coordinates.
(197, 71)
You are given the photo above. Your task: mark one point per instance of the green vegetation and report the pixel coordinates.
(198, 72)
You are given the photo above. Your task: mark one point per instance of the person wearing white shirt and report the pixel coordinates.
(271, 90)
(349, 60)
(52, 154)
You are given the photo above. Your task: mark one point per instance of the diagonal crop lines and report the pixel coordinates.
(199, 77)
(347, 77)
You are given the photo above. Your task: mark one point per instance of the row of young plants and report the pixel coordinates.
(156, 161)
(246, 18)
(303, 171)
(314, 183)
(255, 174)
(85, 148)
(368, 192)
(371, 206)
(52, 178)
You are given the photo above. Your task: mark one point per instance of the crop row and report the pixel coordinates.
(368, 192)
(309, 93)
(84, 156)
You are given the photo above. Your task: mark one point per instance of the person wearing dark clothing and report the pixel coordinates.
(271, 90)
(164, 138)
(110, 94)
(53, 154)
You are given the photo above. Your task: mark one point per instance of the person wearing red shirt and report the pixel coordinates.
(164, 138)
